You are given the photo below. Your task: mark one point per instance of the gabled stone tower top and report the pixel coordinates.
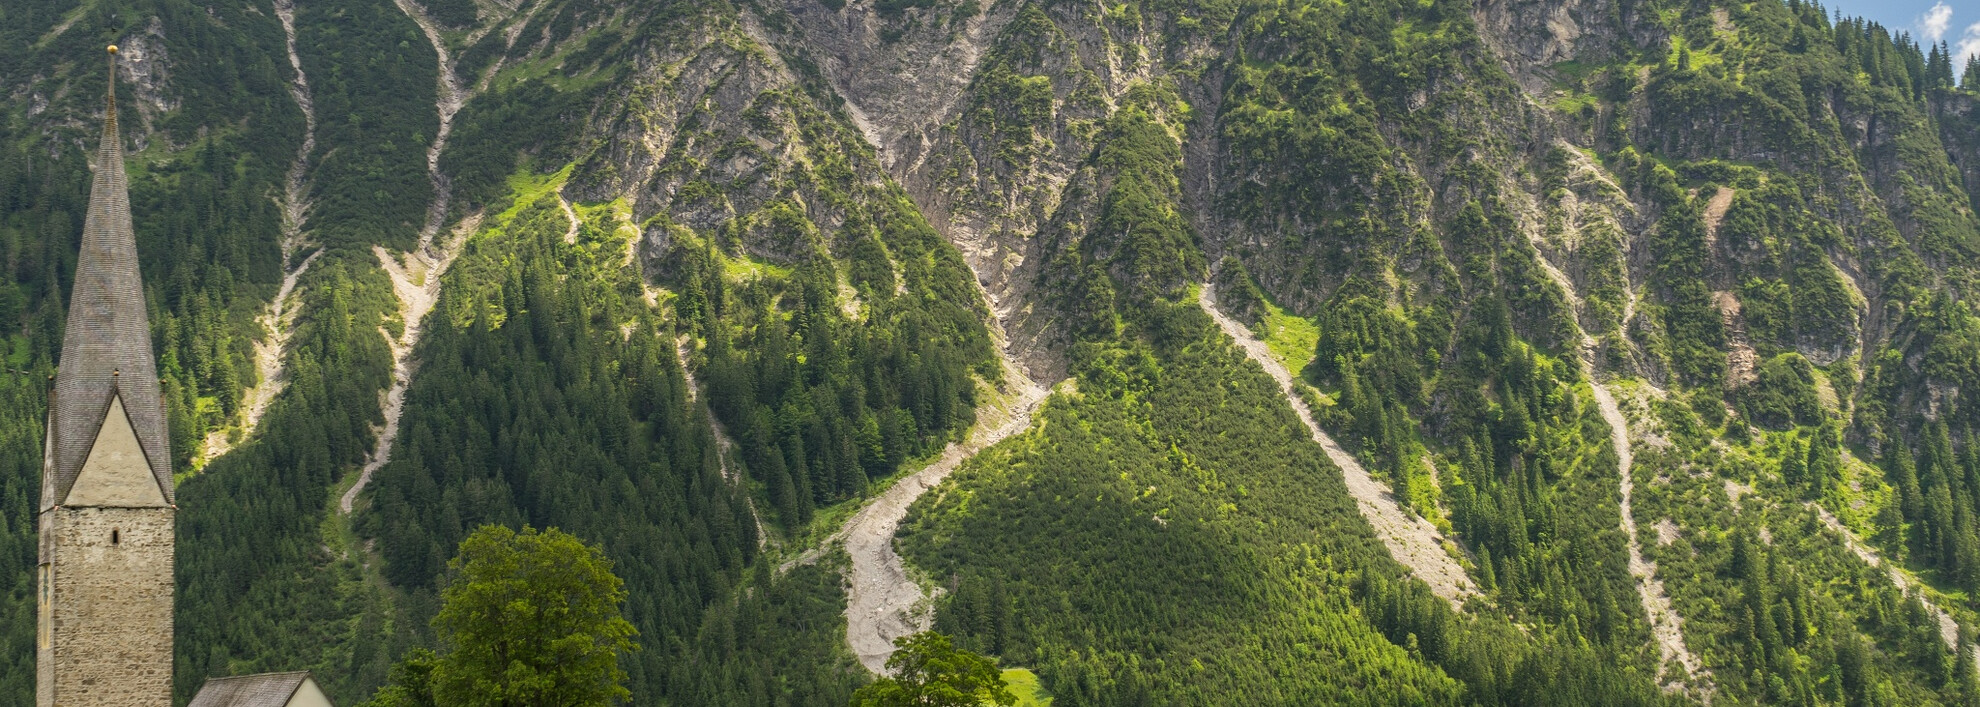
(106, 351)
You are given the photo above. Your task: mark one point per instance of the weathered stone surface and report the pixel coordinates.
(106, 634)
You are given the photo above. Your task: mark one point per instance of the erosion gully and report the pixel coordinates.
(1413, 541)
(416, 275)
(724, 445)
(278, 318)
(1666, 627)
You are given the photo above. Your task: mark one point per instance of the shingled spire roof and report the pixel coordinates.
(106, 350)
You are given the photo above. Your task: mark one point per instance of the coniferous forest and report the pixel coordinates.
(1191, 352)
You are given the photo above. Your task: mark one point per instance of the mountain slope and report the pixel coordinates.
(1652, 318)
(1392, 176)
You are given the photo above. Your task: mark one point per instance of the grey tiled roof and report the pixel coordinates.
(106, 349)
(264, 690)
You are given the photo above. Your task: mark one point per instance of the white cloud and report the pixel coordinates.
(1968, 45)
(1933, 24)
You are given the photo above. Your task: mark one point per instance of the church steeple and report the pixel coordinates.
(104, 586)
(106, 386)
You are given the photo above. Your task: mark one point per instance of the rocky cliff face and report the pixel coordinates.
(1959, 129)
(901, 69)
(710, 138)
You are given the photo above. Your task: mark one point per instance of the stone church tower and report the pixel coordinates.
(104, 584)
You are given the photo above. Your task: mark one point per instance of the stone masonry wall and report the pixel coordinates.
(110, 639)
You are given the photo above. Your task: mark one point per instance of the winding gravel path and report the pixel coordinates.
(1413, 541)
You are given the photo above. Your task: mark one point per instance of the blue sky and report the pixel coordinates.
(1957, 22)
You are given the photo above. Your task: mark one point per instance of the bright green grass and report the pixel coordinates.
(1861, 495)
(550, 69)
(1291, 337)
(1572, 102)
(617, 213)
(527, 186)
(744, 268)
(1701, 57)
(1025, 685)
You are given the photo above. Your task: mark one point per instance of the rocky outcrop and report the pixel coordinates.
(716, 134)
(901, 72)
(1959, 128)
(1532, 36)
(146, 70)
(985, 117)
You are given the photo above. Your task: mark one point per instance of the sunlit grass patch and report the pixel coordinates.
(1291, 337)
(1024, 684)
(526, 187)
(744, 268)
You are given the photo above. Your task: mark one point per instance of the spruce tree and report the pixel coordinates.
(1794, 464)
(1824, 460)
(1904, 474)
(1939, 68)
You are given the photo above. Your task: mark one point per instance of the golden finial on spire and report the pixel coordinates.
(110, 96)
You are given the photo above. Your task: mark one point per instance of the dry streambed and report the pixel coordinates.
(1948, 629)
(883, 604)
(278, 319)
(724, 445)
(416, 275)
(1665, 625)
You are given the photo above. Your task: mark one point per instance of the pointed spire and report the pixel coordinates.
(106, 349)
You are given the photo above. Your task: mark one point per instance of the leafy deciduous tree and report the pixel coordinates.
(533, 620)
(929, 671)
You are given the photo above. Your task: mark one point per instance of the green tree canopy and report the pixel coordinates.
(930, 672)
(410, 683)
(531, 618)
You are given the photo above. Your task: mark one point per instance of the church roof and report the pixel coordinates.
(264, 690)
(106, 349)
